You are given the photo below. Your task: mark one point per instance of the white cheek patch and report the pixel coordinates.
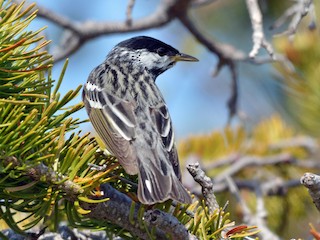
(153, 60)
(148, 58)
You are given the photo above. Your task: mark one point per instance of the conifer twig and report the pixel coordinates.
(42, 172)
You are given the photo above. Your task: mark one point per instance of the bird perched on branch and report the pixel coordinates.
(130, 115)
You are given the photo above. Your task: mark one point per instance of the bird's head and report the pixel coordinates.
(150, 53)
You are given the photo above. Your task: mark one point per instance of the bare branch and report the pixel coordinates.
(240, 163)
(227, 56)
(206, 184)
(201, 3)
(312, 182)
(129, 12)
(298, 11)
(306, 142)
(258, 219)
(273, 187)
(60, 20)
(235, 191)
(82, 32)
(226, 53)
(233, 99)
(258, 37)
(246, 161)
(220, 162)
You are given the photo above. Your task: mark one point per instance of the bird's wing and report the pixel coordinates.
(161, 118)
(114, 121)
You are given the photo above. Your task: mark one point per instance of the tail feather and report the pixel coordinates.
(158, 186)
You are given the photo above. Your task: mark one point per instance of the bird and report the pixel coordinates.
(129, 114)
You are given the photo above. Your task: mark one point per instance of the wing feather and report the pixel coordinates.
(161, 118)
(115, 123)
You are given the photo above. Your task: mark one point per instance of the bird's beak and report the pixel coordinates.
(184, 57)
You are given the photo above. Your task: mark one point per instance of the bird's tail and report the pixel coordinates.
(158, 182)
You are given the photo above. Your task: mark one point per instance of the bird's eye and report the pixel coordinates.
(161, 51)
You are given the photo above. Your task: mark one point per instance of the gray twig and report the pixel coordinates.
(312, 182)
(129, 12)
(207, 186)
(201, 3)
(257, 219)
(306, 142)
(272, 187)
(298, 11)
(233, 99)
(258, 36)
(246, 161)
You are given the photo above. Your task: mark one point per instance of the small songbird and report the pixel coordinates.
(128, 111)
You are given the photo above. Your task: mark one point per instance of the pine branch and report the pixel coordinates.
(118, 210)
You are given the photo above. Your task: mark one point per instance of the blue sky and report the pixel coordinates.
(196, 100)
